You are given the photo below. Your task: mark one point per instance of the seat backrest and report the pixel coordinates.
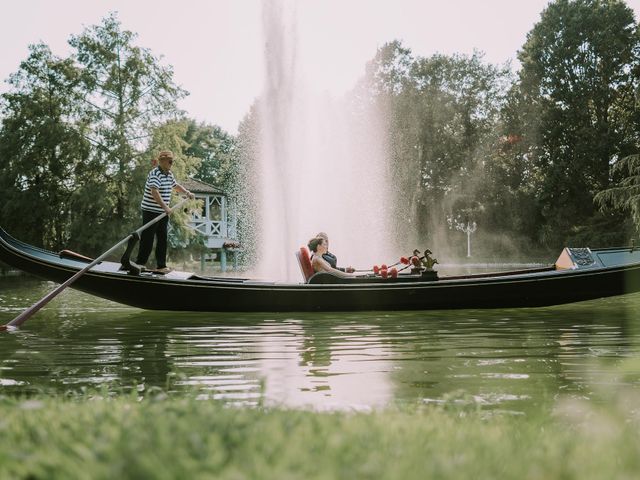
(304, 260)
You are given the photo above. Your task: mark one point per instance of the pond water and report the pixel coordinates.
(509, 359)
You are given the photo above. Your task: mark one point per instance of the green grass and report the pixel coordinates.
(181, 437)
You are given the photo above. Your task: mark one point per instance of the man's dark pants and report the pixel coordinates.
(158, 230)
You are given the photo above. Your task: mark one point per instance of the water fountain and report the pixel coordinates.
(321, 164)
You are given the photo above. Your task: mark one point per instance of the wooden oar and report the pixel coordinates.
(29, 312)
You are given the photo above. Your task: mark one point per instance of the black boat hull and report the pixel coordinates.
(538, 288)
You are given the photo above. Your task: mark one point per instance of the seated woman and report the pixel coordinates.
(318, 247)
(330, 257)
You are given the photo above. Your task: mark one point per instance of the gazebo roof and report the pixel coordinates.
(197, 186)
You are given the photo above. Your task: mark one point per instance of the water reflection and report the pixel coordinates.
(512, 359)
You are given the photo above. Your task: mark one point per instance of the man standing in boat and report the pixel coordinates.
(155, 201)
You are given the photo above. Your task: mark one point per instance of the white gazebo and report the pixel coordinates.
(216, 222)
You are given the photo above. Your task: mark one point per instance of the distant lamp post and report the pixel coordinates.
(469, 228)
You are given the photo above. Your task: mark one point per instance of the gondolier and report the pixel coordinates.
(155, 201)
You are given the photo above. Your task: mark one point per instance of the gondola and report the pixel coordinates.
(578, 274)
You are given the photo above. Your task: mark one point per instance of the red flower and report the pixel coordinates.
(393, 272)
(384, 273)
(376, 269)
(383, 266)
(415, 261)
(404, 260)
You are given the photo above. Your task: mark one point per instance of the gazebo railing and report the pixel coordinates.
(210, 228)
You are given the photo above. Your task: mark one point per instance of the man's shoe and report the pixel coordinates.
(163, 271)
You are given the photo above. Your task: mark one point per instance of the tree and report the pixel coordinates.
(217, 150)
(442, 112)
(245, 189)
(126, 92)
(43, 148)
(512, 175)
(579, 68)
(624, 195)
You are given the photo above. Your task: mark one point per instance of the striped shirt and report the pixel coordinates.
(164, 182)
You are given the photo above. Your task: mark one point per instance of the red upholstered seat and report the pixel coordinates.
(304, 260)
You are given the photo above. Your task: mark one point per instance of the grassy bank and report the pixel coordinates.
(122, 437)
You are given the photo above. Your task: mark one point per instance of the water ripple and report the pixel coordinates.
(497, 358)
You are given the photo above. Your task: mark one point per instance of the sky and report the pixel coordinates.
(217, 49)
